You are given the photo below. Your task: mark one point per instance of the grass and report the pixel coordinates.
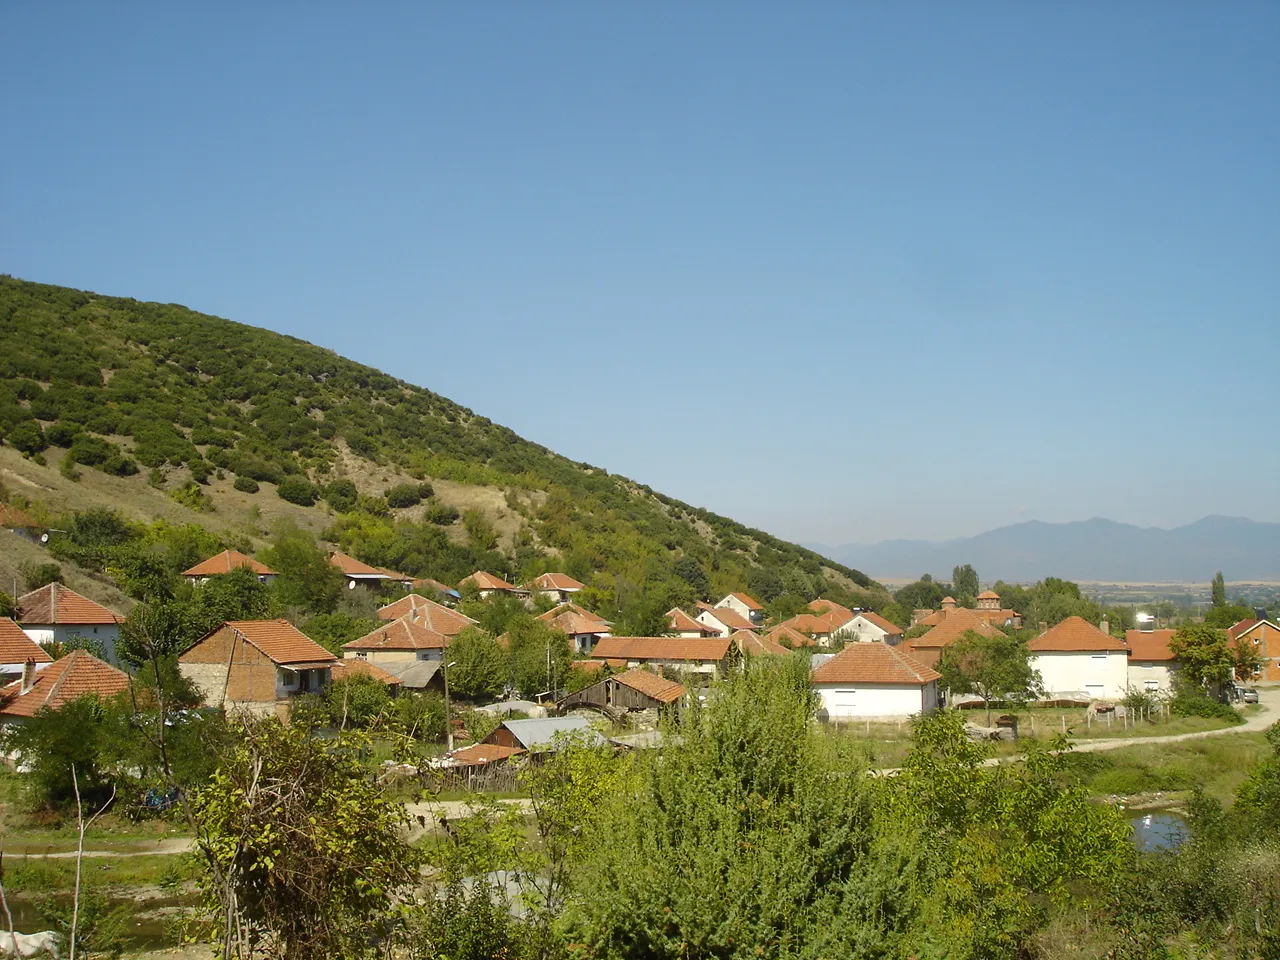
(23, 875)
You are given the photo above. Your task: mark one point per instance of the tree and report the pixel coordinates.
(924, 594)
(332, 630)
(480, 666)
(1218, 590)
(994, 668)
(691, 572)
(1205, 656)
(306, 577)
(964, 581)
(356, 701)
(540, 656)
(37, 575)
(85, 734)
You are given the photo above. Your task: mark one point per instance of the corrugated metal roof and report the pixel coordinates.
(542, 733)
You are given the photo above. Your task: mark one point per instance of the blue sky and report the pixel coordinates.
(842, 271)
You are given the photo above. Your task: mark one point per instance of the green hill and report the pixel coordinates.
(157, 411)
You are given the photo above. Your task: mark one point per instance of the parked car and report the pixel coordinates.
(1249, 695)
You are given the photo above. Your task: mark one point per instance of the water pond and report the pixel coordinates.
(149, 926)
(1158, 830)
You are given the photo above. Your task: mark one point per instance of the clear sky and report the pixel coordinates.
(842, 271)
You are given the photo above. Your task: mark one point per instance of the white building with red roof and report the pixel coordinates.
(745, 606)
(867, 626)
(1076, 658)
(556, 586)
(358, 573)
(17, 650)
(57, 614)
(226, 562)
(488, 585)
(874, 680)
(680, 624)
(724, 620)
(1152, 664)
(78, 674)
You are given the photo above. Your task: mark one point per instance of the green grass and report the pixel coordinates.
(23, 875)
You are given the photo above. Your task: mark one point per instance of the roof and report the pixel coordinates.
(651, 685)
(414, 674)
(479, 754)
(570, 607)
(355, 666)
(556, 581)
(13, 517)
(542, 732)
(588, 666)
(436, 585)
(750, 602)
(352, 567)
(77, 674)
(575, 624)
(55, 603)
(888, 626)
(1149, 644)
(1242, 626)
(755, 646)
(280, 640)
(988, 595)
(730, 618)
(407, 633)
(1072, 635)
(953, 626)
(793, 636)
(432, 615)
(808, 623)
(834, 613)
(948, 599)
(225, 562)
(17, 647)
(680, 621)
(696, 649)
(487, 581)
(397, 577)
(874, 663)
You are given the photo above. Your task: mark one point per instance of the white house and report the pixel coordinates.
(56, 614)
(869, 680)
(868, 627)
(557, 586)
(488, 585)
(1152, 665)
(1076, 658)
(16, 650)
(723, 620)
(225, 562)
(744, 606)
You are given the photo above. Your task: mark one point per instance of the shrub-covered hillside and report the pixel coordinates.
(195, 405)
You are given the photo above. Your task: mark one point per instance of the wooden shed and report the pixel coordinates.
(637, 689)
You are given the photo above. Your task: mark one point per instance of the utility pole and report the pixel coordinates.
(448, 719)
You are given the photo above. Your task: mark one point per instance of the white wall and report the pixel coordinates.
(845, 700)
(863, 631)
(107, 635)
(1161, 672)
(1100, 675)
(740, 608)
(704, 616)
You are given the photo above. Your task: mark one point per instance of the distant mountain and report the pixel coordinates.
(1094, 549)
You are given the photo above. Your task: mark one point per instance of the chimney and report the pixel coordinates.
(1044, 626)
(1105, 626)
(1259, 613)
(948, 603)
(28, 676)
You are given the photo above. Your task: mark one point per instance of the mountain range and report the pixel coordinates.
(1096, 549)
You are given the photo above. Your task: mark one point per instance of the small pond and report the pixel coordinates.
(149, 925)
(1158, 830)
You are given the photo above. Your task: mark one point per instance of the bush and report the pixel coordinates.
(297, 490)
(192, 497)
(27, 437)
(63, 433)
(37, 575)
(403, 495)
(1200, 706)
(441, 514)
(246, 485)
(341, 495)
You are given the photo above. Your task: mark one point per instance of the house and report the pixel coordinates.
(839, 616)
(1076, 657)
(76, 675)
(489, 585)
(637, 689)
(540, 735)
(987, 605)
(56, 614)
(811, 625)
(958, 621)
(788, 637)
(1265, 637)
(557, 586)
(432, 615)
(427, 585)
(256, 666)
(746, 607)
(724, 620)
(225, 562)
(749, 644)
(364, 668)
(680, 624)
(870, 680)
(869, 627)
(405, 639)
(705, 656)
(1152, 664)
(17, 650)
(412, 674)
(583, 630)
(359, 574)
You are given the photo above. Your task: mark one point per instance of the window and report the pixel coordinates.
(362, 655)
(1151, 685)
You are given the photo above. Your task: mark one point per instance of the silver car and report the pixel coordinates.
(1249, 695)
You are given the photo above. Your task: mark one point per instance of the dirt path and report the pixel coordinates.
(1268, 701)
(426, 815)
(162, 848)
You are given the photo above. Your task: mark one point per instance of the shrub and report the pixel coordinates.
(297, 490)
(341, 495)
(1201, 706)
(27, 437)
(37, 575)
(191, 496)
(403, 495)
(246, 485)
(91, 451)
(63, 433)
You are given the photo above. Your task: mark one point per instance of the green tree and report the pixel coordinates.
(539, 656)
(307, 579)
(689, 570)
(924, 594)
(332, 630)
(480, 668)
(1218, 590)
(236, 595)
(964, 581)
(37, 575)
(85, 734)
(994, 668)
(1205, 657)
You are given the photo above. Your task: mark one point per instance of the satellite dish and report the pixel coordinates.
(44, 538)
(351, 584)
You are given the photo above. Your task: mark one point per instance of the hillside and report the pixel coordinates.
(161, 412)
(1094, 550)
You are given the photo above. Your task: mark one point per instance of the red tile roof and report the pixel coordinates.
(429, 584)
(952, 626)
(832, 612)
(731, 618)
(575, 624)
(77, 674)
(570, 607)
(753, 646)
(681, 622)
(792, 636)
(432, 615)
(280, 640)
(1241, 626)
(808, 623)
(888, 626)
(352, 567)
(1149, 644)
(556, 581)
(225, 562)
(17, 647)
(481, 753)
(407, 633)
(58, 604)
(699, 649)
(751, 602)
(487, 581)
(651, 685)
(988, 595)
(874, 663)
(355, 666)
(1072, 635)
(588, 666)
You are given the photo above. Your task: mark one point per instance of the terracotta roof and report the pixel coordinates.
(651, 685)
(13, 517)
(225, 562)
(570, 607)
(808, 623)
(17, 647)
(936, 617)
(407, 633)
(77, 674)
(1241, 626)
(397, 577)
(832, 612)
(700, 649)
(988, 595)
(952, 626)
(1149, 644)
(280, 640)
(481, 753)
(730, 618)
(874, 663)
(755, 646)
(55, 603)
(432, 615)
(575, 624)
(352, 567)
(948, 599)
(681, 622)
(355, 666)
(587, 666)
(751, 602)
(429, 584)
(793, 636)
(556, 581)
(1074, 634)
(888, 626)
(487, 581)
